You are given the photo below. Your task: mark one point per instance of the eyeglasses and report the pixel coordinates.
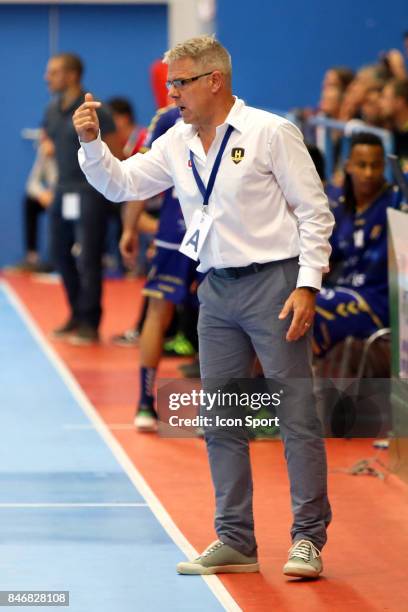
(179, 83)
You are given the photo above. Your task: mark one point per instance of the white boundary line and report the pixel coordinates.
(74, 505)
(110, 426)
(213, 582)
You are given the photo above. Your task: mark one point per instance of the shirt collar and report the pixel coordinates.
(234, 118)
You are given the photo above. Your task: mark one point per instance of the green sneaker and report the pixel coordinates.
(304, 560)
(219, 558)
(179, 346)
(266, 428)
(146, 419)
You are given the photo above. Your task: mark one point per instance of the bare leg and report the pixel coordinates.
(158, 318)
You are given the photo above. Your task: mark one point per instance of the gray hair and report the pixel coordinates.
(205, 51)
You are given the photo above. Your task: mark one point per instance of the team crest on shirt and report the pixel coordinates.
(237, 154)
(375, 232)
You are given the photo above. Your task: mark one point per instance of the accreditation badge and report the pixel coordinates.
(196, 234)
(71, 206)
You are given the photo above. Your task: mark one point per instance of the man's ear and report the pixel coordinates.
(217, 79)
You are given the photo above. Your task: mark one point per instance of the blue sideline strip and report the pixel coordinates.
(111, 558)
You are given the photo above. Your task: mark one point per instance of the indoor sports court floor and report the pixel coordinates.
(90, 506)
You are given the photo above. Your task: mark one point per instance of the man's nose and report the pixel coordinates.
(173, 92)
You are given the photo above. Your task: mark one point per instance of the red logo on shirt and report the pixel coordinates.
(189, 163)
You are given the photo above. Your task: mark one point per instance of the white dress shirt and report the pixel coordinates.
(270, 206)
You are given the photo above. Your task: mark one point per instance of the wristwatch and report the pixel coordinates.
(311, 289)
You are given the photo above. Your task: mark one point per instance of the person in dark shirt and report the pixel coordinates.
(169, 282)
(77, 218)
(355, 302)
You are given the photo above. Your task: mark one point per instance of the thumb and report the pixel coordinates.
(89, 97)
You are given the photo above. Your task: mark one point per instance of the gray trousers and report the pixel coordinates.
(239, 319)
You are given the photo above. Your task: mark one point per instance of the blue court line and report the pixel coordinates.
(111, 558)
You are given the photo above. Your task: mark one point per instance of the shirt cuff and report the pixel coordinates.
(309, 277)
(93, 149)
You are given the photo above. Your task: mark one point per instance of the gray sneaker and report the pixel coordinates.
(219, 558)
(304, 560)
(130, 337)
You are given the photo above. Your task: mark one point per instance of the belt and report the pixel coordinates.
(239, 272)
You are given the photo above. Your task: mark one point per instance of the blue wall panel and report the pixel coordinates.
(125, 40)
(23, 52)
(118, 44)
(281, 49)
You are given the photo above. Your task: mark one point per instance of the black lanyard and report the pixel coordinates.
(206, 192)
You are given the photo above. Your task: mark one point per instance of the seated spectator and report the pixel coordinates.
(330, 101)
(330, 106)
(394, 104)
(368, 77)
(338, 76)
(394, 64)
(334, 83)
(130, 133)
(371, 109)
(354, 300)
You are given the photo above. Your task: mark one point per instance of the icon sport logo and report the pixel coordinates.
(237, 154)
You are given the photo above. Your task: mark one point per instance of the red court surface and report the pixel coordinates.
(366, 556)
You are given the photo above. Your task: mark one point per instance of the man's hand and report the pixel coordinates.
(46, 198)
(86, 120)
(128, 246)
(302, 301)
(46, 146)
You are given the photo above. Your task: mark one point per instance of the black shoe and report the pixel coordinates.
(44, 268)
(84, 335)
(65, 330)
(24, 266)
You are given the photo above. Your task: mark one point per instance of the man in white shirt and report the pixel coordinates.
(268, 225)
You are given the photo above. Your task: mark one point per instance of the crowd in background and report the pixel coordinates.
(375, 95)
